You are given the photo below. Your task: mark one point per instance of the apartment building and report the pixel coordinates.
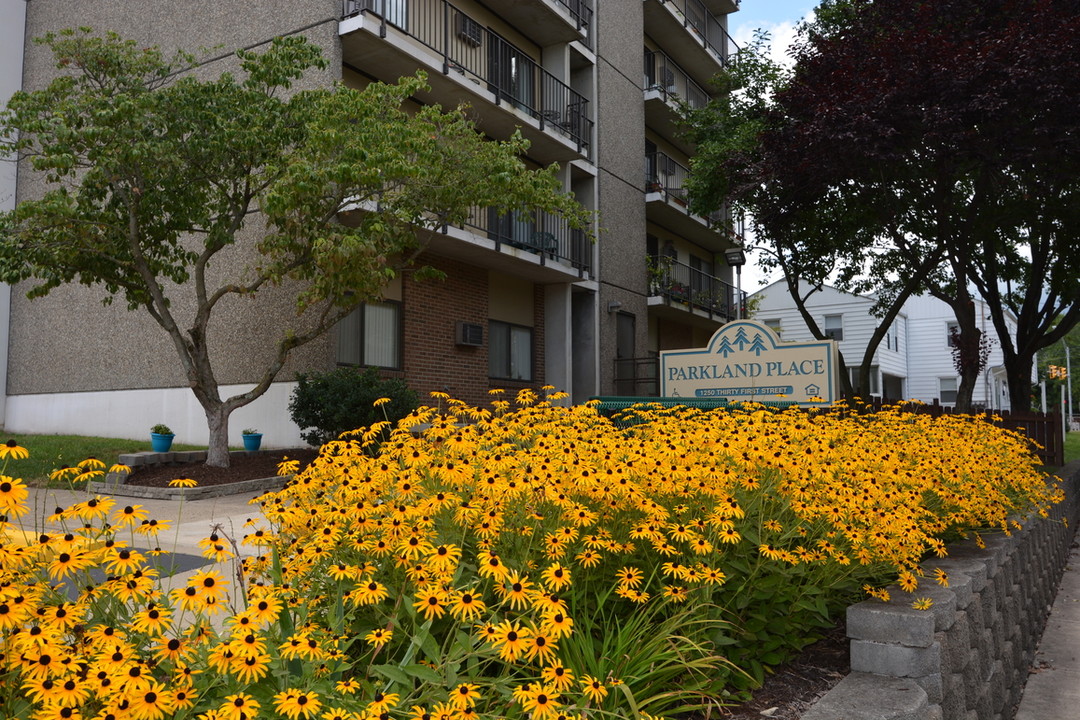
(526, 301)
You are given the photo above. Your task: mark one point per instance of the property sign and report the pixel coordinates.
(746, 361)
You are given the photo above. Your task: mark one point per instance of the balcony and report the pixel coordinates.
(391, 38)
(549, 22)
(667, 203)
(667, 86)
(678, 285)
(671, 22)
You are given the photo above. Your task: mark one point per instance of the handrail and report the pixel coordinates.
(539, 232)
(471, 49)
(678, 281)
(662, 74)
(698, 19)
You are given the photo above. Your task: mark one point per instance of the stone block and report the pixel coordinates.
(895, 660)
(189, 456)
(973, 567)
(943, 609)
(889, 623)
(860, 696)
(954, 699)
(933, 687)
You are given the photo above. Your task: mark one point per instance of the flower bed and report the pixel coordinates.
(535, 562)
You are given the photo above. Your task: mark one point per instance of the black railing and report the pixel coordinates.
(582, 12)
(638, 377)
(664, 76)
(710, 31)
(664, 175)
(469, 48)
(544, 234)
(679, 282)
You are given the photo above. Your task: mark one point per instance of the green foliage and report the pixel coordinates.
(161, 429)
(52, 452)
(341, 400)
(154, 175)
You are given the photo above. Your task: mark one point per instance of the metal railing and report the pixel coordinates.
(679, 282)
(469, 48)
(544, 234)
(582, 12)
(664, 76)
(637, 376)
(702, 23)
(664, 175)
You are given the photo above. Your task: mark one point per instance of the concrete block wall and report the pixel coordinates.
(967, 658)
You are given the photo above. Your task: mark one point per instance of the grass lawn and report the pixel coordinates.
(1072, 446)
(50, 452)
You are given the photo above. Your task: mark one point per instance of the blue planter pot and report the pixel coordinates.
(252, 441)
(160, 443)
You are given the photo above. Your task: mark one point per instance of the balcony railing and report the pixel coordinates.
(698, 20)
(582, 12)
(469, 48)
(544, 234)
(664, 76)
(664, 175)
(679, 282)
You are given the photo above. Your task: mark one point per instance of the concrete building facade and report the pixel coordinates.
(526, 301)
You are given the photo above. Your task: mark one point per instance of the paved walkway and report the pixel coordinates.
(1053, 687)
(189, 522)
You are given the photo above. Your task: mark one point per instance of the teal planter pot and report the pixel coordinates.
(160, 443)
(252, 441)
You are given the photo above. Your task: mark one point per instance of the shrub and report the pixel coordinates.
(341, 400)
(536, 563)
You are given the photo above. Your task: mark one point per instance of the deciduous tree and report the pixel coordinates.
(151, 172)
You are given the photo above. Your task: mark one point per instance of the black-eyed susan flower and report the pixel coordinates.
(558, 676)
(240, 706)
(183, 483)
(11, 449)
(464, 695)
(539, 700)
(379, 637)
(593, 689)
(13, 494)
(297, 704)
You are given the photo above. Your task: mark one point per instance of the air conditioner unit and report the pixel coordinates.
(470, 334)
(468, 30)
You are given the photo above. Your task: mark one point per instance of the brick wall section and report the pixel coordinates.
(968, 657)
(431, 358)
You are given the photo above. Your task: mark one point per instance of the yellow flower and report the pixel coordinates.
(381, 401)
(923, 603)
(593, 688)
(295, 704)
(13, 496)
(183, 483)
(379, 637)
(538, 700)
(11, 449)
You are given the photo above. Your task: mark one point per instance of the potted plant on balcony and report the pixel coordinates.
(161, 438)
(252, 439)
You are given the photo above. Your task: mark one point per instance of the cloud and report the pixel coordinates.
(781, 34)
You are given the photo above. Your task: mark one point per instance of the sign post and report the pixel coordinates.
(745, 361)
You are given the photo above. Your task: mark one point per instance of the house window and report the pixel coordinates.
(510, 351)
(371, 335)
(834, 327)
(952, 333)
(947, 390)
(773, 324)
(875, 378)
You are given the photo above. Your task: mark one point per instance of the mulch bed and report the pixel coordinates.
(790, 691)
(241, 467)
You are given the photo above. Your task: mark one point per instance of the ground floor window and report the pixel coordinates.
(371, 335)
(510, 351)
(947, 388)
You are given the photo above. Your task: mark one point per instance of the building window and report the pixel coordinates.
(952, 334)
(875, 378)
(947, 390)
(773, 324)
(510, 351)
(834, 327)
(371, 335)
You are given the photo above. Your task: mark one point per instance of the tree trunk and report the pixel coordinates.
(1018, 376)
(217, 421)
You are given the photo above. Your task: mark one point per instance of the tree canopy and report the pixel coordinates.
(150, 171)
(931, 144)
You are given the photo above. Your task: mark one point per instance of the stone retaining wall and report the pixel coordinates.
(967, 658)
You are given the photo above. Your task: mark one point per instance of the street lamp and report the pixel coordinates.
(736, 258)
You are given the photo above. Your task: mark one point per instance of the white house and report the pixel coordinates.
(914, 360)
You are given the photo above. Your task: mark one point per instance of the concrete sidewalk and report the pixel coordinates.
(1053, 687)
(189, 522)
